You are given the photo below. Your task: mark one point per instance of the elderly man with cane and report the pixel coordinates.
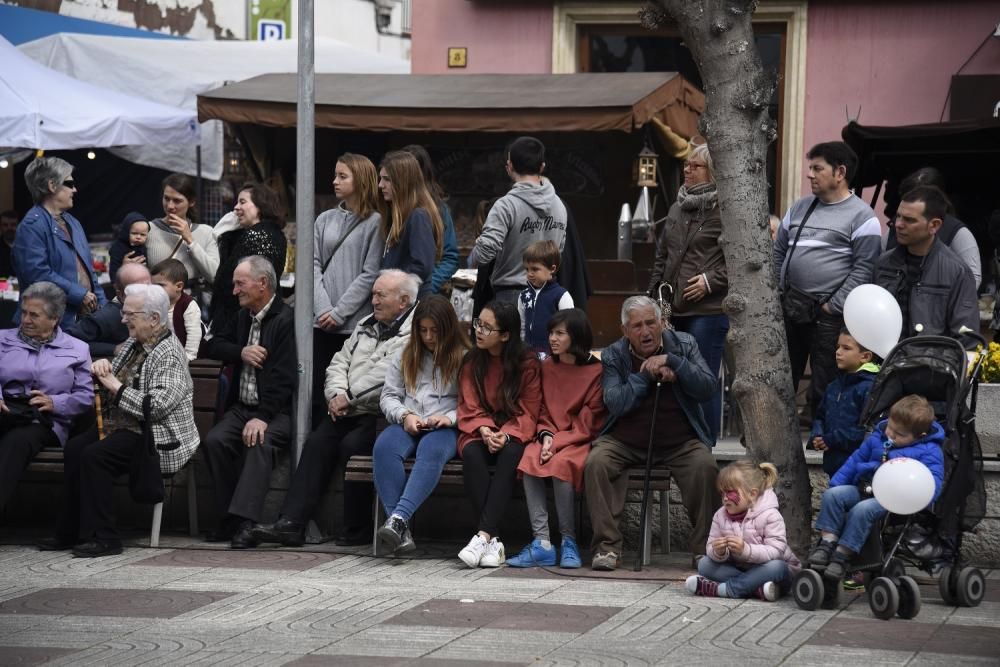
(666, 425)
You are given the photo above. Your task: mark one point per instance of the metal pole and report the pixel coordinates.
(305, 206)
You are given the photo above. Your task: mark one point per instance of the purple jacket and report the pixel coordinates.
(61, 369)
(763, 533)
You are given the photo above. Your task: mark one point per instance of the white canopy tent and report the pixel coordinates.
(174, 72)
(42, 108)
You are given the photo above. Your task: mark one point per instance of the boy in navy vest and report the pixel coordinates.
(185, 315)
(543, 296)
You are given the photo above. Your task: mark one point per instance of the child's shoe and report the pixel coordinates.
(474, 551)
(699, 585)
(534, 555)
(838, 565)
(570, 558)
(769, 592)
(819, 557)
(494, 556)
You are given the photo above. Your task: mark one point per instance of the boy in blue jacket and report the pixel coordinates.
(836, 428)
(847, 514)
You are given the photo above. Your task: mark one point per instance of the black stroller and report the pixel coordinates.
(934, 367)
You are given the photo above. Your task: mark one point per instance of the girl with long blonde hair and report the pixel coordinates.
(411, 224)
(420, 400)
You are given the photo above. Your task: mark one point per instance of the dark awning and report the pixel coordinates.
(466, 102)
(958, 148)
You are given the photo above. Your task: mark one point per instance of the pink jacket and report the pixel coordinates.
(763, 533)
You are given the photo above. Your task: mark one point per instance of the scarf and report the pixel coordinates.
(35, 343)
(701, 197)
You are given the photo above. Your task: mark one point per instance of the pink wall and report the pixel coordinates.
(893, 59)
(513, 37)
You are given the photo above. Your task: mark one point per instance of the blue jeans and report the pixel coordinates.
(709, 332)
(742, 583)
(434, 449)
(844, 513)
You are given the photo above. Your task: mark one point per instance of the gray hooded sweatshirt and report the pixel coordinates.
(526, 214)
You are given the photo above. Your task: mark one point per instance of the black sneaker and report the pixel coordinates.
(407, 545)
(819, 557)
(392, 531)
(838, 566)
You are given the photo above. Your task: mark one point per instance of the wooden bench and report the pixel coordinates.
(359, 469)
(205, 376)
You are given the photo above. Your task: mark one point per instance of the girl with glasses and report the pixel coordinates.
(499, 400)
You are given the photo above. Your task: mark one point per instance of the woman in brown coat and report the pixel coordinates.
(689, 259)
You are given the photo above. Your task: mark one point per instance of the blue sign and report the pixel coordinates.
(270, 30)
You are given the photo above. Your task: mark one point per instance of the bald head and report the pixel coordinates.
(130, 274)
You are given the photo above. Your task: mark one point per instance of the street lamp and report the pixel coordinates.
(645, 168)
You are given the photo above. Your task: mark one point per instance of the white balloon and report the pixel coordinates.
(873, 317)
(903, 485)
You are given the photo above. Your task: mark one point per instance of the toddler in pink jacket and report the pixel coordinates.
(747, 553)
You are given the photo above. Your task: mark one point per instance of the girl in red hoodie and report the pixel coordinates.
(747, 553)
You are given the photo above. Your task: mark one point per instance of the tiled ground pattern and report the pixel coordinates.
(286, 607)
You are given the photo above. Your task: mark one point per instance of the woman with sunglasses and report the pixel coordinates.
(500, 395)
(51, 244)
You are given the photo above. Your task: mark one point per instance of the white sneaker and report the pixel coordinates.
(691, 584)
(474, 551)
(769, 591)
(494, 556)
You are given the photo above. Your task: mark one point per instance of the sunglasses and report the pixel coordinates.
(70, 183)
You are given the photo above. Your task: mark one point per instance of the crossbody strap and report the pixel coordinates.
(343, 238)
(795, 243)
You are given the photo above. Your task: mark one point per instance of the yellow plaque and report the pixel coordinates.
(457, 56)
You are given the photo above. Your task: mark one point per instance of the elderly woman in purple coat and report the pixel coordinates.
(46, 382)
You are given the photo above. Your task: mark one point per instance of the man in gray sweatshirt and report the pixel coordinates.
(826, 246)
(531, 211)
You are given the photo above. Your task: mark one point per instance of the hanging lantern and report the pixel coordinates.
(645, 168)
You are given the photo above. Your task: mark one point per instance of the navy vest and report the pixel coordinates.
(538, 309)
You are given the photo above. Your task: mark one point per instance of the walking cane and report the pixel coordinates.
(100, 417)
(644, 507)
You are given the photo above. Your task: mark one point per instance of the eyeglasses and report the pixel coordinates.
(478, 325)
(130, 314)
(70, 183)
(694, 165)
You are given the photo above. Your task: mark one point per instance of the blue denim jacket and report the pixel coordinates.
(42, 252)
(624, 390)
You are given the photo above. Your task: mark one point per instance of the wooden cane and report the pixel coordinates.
(100, 417)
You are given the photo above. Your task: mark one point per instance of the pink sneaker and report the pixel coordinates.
(698, 585)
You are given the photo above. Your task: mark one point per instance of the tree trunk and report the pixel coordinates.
(737, 127)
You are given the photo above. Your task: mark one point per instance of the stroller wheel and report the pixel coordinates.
(970, 588)
(894, 569)
(909, 597)
(808, 590)
(947, 585)
(883, 598)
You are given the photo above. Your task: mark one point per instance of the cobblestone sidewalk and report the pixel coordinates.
(197, 606)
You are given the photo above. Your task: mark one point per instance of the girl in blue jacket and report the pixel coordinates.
(846, 514)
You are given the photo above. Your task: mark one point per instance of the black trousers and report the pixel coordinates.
(817, 342)
(331, 444)
(18, 445)
(91, 467)
(490, 496)
(325, 345)
(241, 475)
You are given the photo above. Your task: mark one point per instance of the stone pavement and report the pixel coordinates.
(186, 604)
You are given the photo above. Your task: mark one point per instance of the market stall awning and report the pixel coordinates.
(467, 102)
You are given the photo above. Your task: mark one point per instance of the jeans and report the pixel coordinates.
(398, 494)
(742, 583)
(709, 332)
(817, 342)
(844, 513)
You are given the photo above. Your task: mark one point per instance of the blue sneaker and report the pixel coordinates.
(533, 555)
(570, 554)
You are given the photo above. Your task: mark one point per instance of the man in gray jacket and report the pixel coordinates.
(354, 382)
(933, 285)
(826, 246)
(531, 211)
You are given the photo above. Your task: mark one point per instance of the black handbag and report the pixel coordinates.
(21, 413)
(145, 483)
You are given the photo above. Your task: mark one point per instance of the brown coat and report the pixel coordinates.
(689, 246)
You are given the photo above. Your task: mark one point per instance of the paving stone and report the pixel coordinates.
(987, 613)
(251, 560)
(926, 659)
(516, 646)
(812, 655)
(157, 603)
(505, 615)
(375, 661)
(395, 641)
(31, 655)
